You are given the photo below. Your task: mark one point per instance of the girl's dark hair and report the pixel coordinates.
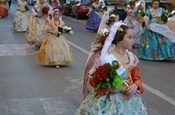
(155, 1)
(110, 20)
(121, 31)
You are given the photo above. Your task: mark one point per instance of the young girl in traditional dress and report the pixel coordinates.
(22, 16)
(126, 99)
(38, 24)
(55, 49)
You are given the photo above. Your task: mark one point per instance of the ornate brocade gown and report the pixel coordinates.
(55, 50)
(114, 103)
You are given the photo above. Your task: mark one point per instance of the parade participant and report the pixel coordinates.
(157, 40)
(115, 98)
(39, 5)
(55, 49)
(38, 24)
(94, 16)
(96, 47)
(22, 16)
(3, 8)
(55, 4)
(131, 21)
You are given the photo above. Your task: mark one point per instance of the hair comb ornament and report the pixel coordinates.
(113, 15)
(120, 29)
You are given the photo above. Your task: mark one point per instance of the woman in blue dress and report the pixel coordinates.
(157, 40)
(94, 16)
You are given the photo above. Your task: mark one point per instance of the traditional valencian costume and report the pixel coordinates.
(55, 49)
(158, 42)
(94, 18)
(3, 8)
(115, 103)
(38, 24)
(22, 16)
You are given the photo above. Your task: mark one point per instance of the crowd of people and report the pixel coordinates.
(44, 28)
(116, 35)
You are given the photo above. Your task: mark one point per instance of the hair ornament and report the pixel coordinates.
(120, 29)
(113, 15)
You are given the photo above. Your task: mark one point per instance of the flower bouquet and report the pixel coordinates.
(163, 19)
(65, 29)
(105, 77)
(140, 14)
(45, 10)
(25, 9)
(104, 8)
(68, 30)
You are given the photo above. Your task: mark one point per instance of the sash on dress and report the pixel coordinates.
(163, 30)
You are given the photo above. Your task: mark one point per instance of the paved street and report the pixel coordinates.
(28, 88)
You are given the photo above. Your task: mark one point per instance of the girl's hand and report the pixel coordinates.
(132, 89)
(114, 90)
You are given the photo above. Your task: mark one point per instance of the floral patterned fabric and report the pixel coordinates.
(21, 18)
(154, 45)
(116, 103)
(36, 30)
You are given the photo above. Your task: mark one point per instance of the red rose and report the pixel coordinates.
(45, 10)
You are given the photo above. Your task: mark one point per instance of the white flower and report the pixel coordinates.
(71, 32)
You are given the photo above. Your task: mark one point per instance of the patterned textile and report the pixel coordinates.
(55, 50)
(37, 30)
(116, 103)
(154, 45)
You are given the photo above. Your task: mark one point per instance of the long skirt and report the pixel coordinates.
(112, 104)
(21, 21)
(55, 51)
(36, 30)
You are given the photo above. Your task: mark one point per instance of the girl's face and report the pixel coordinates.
(155, 4)
(22, 0)
(57, 15)
(128, 40)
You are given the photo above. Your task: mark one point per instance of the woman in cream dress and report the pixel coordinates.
(38, 24)
(55, 50)
(22, 16)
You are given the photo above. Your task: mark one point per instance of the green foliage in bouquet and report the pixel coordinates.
(104, 8)
(162, 19)
(140, 14)
(26, 8)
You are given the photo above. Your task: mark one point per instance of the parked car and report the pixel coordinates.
(80, 8)
(67, 7)
(31, 2)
